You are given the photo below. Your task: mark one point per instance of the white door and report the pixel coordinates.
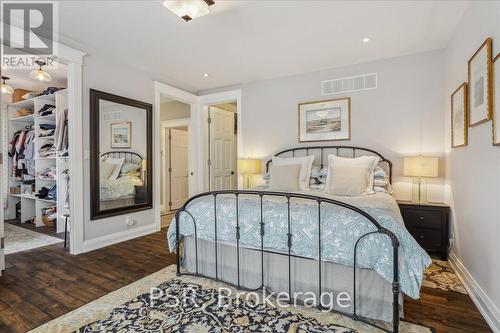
(179, 173)
(165, 176)
(222, 150)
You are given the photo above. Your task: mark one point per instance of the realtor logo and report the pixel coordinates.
(28, 32)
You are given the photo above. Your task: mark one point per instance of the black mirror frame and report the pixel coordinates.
(95, 212)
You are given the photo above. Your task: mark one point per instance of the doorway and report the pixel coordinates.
(223, 147)
(175, 120)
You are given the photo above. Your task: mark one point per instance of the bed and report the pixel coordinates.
(120, 192)
(254, 239)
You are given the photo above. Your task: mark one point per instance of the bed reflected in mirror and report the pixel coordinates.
(120, 153)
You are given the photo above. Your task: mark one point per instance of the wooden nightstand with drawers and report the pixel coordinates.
(428, 224)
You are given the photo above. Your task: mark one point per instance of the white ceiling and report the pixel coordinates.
(244, 41)
(19, 78)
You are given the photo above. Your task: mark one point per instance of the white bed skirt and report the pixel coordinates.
(373, 293)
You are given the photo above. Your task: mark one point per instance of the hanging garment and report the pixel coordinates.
(61, 124)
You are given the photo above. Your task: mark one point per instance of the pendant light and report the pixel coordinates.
(5, 88)
(40, 74)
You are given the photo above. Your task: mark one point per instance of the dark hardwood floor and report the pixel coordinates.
(42, 284)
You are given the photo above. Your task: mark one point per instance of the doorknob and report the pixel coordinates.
(232, 172)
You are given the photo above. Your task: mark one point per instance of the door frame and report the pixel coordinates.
(182, 122)
(162, 89)
(73, 59)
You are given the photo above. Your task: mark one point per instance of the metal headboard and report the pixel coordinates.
(352, 152)
(129, 156)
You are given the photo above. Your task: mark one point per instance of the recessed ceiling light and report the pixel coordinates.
(366, 40)
(206, 75)
(188, 9)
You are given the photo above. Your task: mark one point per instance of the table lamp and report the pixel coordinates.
(248, 167)
(419, 168)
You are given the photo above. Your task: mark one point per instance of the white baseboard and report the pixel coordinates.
(100, 242)
(477, 294)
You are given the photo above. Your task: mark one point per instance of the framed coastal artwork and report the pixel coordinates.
(325, 120)
(496, 100)
(121, 135)
(480, 85)
(459, 125)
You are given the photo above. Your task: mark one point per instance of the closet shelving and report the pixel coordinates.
(31, 206)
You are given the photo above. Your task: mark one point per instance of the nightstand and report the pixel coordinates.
(428, 224)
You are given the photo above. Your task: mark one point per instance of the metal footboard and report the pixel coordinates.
(288, 197)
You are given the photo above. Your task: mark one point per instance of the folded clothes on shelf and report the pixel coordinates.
(47, 150)
(48, 173)
(47, 194)
(47, 110)
(51, 90)
(47, 130)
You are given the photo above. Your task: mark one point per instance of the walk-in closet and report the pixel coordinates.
(35, 167)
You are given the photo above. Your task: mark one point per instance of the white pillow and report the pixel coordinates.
(118, 162)
(105, 170)
(348, 180)
(305, 168)
(284, 177)
(368, 163)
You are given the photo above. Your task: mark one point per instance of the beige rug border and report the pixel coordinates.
(101, 307)
(49, 240)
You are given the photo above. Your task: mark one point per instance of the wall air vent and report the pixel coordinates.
(349, 84)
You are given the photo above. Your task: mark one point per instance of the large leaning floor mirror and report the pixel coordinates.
(121, 155)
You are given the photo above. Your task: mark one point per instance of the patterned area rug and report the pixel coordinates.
(129, 310)
(19, 239)
(440, 275)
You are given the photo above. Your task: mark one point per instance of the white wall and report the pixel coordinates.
(137, 118)
(108, 76)
(473, 172)
(403, 116)
(174, 110)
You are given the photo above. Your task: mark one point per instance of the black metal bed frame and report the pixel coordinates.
(127, 155)
(319, 200)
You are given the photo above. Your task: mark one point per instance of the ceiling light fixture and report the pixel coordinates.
(206, 75)
(366, 40)
(5, 88)
(188, 9)
(40, 74)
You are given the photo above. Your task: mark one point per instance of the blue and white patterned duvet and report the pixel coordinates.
(340, 229)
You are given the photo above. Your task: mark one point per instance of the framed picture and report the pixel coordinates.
(496, 100)
(459, 125)
(480, 85)
(121, 135)
(325, 120)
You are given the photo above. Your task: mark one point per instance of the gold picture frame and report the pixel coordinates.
(480, 87)
(121, 140)
(496, 100)
(333, 124)
(459, 106)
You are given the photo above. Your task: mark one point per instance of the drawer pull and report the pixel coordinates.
(421, 236)
(421, 218)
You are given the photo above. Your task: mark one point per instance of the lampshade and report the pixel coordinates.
(40, 75)
(188, 9)
(248, 166)
(5, 88)
(421, 166)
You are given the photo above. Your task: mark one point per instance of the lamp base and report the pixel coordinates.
(419, 191)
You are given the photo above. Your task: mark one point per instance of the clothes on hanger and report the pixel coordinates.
(61, 132)
(22, 153)
(66, 177)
